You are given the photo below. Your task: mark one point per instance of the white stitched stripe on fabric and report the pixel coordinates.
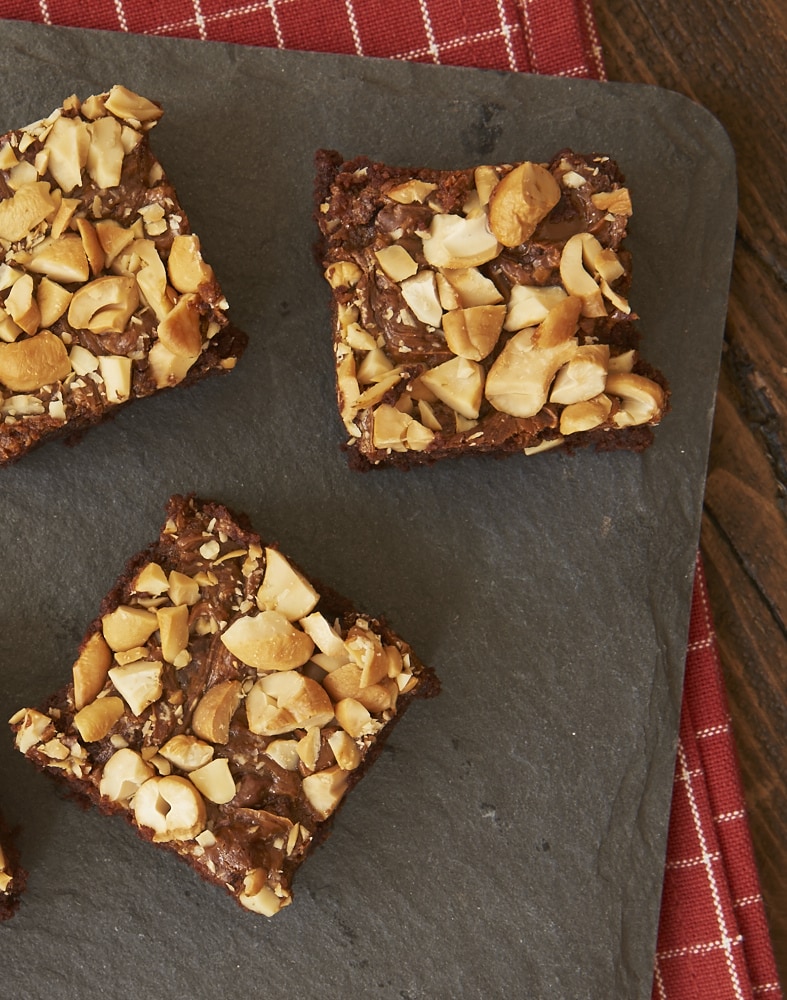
(729, 817)
(658, 981)
(698, 644)
(430, 39)
(275, 21)
(595, 43)
(747, 901)
(122, 22)
(774, 988)
(505, 29)
(199, 19)
(450, 46)
(693, 862)
(348, 6)
(725, 942)
(680, 777)
(719, 730)
(531, 49)
(705, 949)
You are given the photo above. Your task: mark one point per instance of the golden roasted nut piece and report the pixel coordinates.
(104, 293)
(483, 310)
(224, 703)
(520, 200)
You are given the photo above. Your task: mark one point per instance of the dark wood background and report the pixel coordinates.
(731, 57)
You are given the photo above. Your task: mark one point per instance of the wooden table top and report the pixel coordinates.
(732, 58)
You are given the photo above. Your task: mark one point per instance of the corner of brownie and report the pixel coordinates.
(104, 294)
(482, 310)
(13, 877)
(224, 703)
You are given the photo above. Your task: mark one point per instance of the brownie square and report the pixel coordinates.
(482, 310)
(224, 703)
(104, 293)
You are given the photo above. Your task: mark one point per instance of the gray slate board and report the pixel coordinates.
(511, 840)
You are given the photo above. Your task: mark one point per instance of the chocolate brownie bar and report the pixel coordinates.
(104, 294)
(482, 310)
(12, 876)
(224, 703)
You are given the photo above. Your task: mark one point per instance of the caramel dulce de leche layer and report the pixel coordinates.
(482, 310)
(104, 294)
(224, 703)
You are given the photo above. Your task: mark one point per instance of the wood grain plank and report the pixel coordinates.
(755, 358)
(734, 445)
(728, 57)
(757, 533)
(732, 58)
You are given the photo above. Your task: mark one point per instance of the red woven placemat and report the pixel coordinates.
(713, 941)
(538, 36)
